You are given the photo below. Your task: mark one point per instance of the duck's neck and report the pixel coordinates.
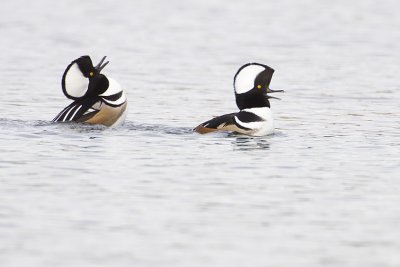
(97, 86)
(251, 100)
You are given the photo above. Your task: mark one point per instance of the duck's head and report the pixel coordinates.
(82, 79)
(251, 84)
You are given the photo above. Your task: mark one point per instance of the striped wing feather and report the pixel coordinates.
(229, 122)
(77, 111)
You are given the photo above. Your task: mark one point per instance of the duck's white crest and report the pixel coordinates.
(76, 85)
(244, 80)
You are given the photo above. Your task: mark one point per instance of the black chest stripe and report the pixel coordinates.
(113, 97)
(245, 116)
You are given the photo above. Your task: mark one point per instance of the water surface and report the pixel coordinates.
(322, 191)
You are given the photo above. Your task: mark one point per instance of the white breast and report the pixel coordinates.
(259, 128)
(114, 88)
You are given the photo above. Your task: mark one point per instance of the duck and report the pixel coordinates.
(97, 99)
(254, 118)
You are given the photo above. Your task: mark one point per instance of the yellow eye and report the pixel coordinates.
(259, 86)
(91, 73)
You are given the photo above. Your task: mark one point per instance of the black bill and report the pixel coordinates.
(101, 66)
(273, 91)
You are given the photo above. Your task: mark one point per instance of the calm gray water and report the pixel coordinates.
(322, 191)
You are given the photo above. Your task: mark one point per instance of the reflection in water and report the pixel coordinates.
(250, 143)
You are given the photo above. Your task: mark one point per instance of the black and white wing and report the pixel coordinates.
(221, 123)
(78, 111)
(237, 122)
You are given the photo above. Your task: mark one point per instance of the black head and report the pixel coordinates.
(251, 84)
